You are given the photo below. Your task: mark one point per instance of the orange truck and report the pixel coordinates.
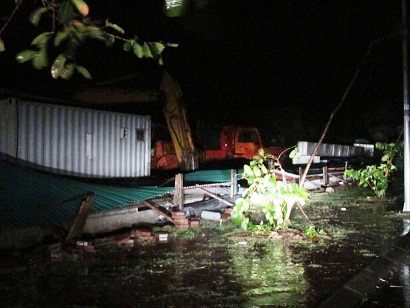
(234, 145)
(237, 142)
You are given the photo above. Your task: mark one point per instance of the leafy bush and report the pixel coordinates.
(272, 199)
(377, 177)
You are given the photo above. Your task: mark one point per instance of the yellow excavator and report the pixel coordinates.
(181, 153)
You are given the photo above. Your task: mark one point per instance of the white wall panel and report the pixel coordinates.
(74, 141)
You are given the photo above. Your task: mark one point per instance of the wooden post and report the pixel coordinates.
(344, 174)
(300, 174)
(77, 228)
(179, 194)
(234, 183)
(325, 176)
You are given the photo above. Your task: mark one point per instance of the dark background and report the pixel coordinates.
(282, 66)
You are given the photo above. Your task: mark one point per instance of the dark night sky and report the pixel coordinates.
(278, 64)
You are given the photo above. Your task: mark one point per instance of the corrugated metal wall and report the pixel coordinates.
(75, 141)
(330, 150)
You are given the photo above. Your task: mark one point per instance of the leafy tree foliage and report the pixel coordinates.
(377, 177)
(70, 26)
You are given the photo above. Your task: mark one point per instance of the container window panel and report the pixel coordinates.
(140, 135)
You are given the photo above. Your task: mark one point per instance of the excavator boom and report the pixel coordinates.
(178, 125)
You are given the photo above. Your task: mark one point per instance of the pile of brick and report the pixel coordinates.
(182, 222)
(226, 214)
(142, 234)
(127, 239)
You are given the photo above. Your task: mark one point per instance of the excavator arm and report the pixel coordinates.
(178, 125)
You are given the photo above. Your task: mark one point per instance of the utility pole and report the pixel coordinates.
(406, 111)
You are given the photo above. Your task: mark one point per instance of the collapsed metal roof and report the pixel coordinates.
(31, 198)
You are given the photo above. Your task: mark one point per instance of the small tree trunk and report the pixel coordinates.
(303, 179)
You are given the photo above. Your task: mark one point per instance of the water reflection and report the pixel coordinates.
(406, 226)
(405, 280)
(268, 275)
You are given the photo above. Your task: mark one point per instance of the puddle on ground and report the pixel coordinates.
(215, 266)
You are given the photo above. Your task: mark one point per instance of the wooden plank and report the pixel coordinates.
(325, 176)
(234, 183)
(153, 207)
(216, 197)
(77, 228)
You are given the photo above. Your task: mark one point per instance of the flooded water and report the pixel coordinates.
(216, 265)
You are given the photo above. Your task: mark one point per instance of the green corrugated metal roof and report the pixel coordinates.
(31, 198)
(211, 176)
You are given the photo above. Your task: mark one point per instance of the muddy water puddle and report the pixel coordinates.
(215, 265)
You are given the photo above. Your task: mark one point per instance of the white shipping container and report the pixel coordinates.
(75, 141)
(329, 150)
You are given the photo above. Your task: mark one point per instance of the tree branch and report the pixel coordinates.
(305, 172)
(10, 17)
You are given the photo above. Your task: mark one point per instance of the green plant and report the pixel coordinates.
(270, 199)
(312, 232)
(377, 176)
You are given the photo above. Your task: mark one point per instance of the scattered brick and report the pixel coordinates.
(141, 233)
(122, 239)
(178, 214)
(182, 226)
(228, 210)
(162, 236)
(89, 249)
(194, 223)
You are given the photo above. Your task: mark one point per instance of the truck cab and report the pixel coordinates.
(237, 142)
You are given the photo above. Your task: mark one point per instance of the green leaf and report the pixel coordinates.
(26, 55)
(41, 40)
(92, 32)
(137, 50)
(83, 71)
(128, 45)
(60, 37)
(247, 171)
(109, 41)
(66, 11)
(79, 26)
(40, 59)
(159, 47)
(81, 7)
(385, 157)
(293, 153)
(237, 215)
(257, 172)
(2, 48)
(68, 71)
(114, 26)
(58, 65)
(36, 15)
(147, 51)
(153, 49)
